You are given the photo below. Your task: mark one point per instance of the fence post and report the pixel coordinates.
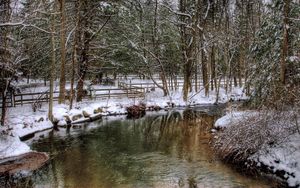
(21, 100)
(13, 99)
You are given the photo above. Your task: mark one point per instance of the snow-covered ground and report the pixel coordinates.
(194, 98)
(232, 118)
(11, 146)
(23, 121)
(281, 156)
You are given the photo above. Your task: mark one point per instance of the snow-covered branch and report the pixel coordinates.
(23, 24)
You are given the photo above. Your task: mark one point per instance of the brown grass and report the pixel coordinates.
(245, 137)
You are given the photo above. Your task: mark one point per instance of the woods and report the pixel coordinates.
(112, 86)
(251, 42)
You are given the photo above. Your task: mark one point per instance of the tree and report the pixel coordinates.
(91, 23)
(188, 34)
(285, 45)
(62, 81)
(52, 69)
(5, 53)
(275, 52)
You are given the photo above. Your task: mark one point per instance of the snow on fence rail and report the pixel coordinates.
(149, 85)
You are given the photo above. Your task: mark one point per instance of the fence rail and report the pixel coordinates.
(30, 98)
(147, 85)
(125, 89)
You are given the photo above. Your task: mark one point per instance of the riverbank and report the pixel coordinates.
(267, 141)
(23, 122)
(164, 149)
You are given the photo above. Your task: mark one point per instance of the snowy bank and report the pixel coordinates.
(282, 157)
(24, 122)
(268, 140)
(194, 98)
(11, 146)
(233, 118)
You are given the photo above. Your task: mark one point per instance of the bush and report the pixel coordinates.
(251, 133)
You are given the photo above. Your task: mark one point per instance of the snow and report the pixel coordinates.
(233, 117)
(194, 98)
(293, 58)
(60, 111)
(283, 156)
(23, 121)
(33, 126)
(11, 146)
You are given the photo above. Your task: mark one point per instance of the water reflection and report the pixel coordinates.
(169, 150)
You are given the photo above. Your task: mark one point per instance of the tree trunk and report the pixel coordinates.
(83, 67)
(204, 70)
(196, 77)
(213, 79)
(83, 60)
(218, 90)
(187, 79)
(162, 73)
(189, 40)
(62, 82)
(284, 53)
(3, 111)
(5, 56)
(52, 71)
(74, 55)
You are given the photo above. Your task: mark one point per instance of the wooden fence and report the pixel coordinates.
(30, 98)
(148, 86)
(125, 89)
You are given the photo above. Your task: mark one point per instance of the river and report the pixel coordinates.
(170, 149)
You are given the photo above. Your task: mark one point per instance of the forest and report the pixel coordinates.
(61, 55)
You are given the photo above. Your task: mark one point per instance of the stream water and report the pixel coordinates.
(166, 150)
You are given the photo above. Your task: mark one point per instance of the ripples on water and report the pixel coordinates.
(170, 150)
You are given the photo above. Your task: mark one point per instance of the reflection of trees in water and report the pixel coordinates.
(14, 181)
(178, 133)
(160, 127)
